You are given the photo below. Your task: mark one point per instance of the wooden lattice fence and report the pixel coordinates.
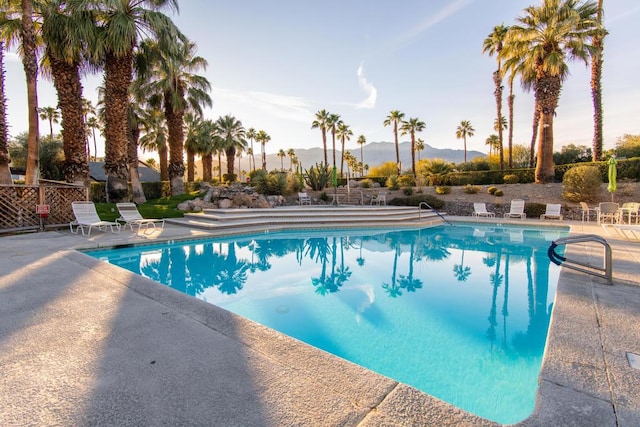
(18, 205)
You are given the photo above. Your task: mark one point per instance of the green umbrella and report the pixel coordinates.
(335, 177)
(611, 188)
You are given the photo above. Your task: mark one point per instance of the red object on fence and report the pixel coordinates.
(42, 210)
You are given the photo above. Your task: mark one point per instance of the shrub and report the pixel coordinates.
(443, 189)
(498, 193)
(581, 184)
(392, 183)
(534, 210)
(511, 179)
(492, 190)
(407, 181)
(324, 197)
(433, 201)
(317, 177)
(366, 183)
(407, 191)
(271, 184)
(471, 189)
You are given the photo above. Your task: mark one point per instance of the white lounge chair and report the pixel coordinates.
(130, 216)
(552, 211)
(480, 210)
(516, 210)
(379, 199)
(304, 199)
(87, 218)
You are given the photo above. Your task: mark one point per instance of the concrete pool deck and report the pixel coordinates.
(86, 343)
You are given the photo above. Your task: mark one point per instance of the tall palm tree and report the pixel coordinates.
(463, 131)
(291, 153)
(193, 123)
(92, 124)
(510, 101)
(155, 138)
(419, 147)
(66, 35)
(251, 136)
(51, 115)
(394, 118)
(88, 110)
(362, 140)
(120, 22)
(493, 45)
(500, 126)
(231, 134)
(207, 145)
(282, 155)
(322, 118)
(333, 121)
(410, 127)
(263, 137)
(545, 36)
(597, 41)
(5, 159)
(344, 133)
(492, 141)
(173, 74)
(30, 65)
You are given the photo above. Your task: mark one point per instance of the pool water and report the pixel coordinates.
(460, 312)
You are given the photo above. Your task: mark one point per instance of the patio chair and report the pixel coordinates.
(631, 210)
(379, 199)
(587, 212)
(608, 211)
(130, 216)
(552, 212)
(517, 210)
(87, 218)
(480, 210)
(304, 199)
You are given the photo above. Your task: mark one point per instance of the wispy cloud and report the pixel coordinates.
(369, 88)
(280, 106)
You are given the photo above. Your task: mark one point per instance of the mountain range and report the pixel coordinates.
(375, 153)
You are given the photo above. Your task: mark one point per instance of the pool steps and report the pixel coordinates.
(307, 217)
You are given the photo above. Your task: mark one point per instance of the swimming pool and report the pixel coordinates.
(459, 312)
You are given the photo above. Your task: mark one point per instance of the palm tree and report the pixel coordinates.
(251, 136)
(262, 137)
(50, 114)
(65, 35)
(419, 147)
(155, 138)
(207, 145)
(333, 121)
(492, 141)
(282, 155)
(410, 127)
(462, 132)
(192, 142)
(361, 142)
(291, 153)
(231, 135)
(548, 34)
(174, 77)
(321, 121)
(120, 24)
(394, 118)
(344, 134)
(92, 125)
(597, 41)
(5, 159)
(493, 45)
(88, 110)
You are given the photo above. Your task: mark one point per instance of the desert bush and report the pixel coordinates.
(511, 179)
(581, 184)
(317, 177)
(392, 183)
(366, 183)
(295, 183)
(415, 200)
(271, 184)
(498, 193)
(407, 181)
(471, 189)
(443, 189)
(492, 190)
(407, 191)
(534, 210)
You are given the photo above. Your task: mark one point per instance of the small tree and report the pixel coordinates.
(582, 184)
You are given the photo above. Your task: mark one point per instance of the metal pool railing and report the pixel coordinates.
(433, 209)
(606, 272)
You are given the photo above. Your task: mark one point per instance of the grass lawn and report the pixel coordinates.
(166, 207)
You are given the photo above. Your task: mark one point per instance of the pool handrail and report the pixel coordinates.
(433, 209)
(605, 273)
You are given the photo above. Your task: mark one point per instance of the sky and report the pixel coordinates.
(274, 64)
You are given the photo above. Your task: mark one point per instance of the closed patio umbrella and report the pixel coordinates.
(611, 188)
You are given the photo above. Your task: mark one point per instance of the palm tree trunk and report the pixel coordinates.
(534, 134)
(5, 171)
(324, 144)
(547, 94)
(395, 134)
(175, 125)
(231, 157)
(207, 160)
(29, 62)
(596, 87)
(116, 99)
(413, 153)
(163, 154)
(66, 79)
(264, 158)
(510, 101)
(191, 161)
(342, 158)
(498, 94)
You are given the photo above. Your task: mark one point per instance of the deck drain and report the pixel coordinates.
(634, 360)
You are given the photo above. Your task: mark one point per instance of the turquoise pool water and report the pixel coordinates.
(460, 312)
